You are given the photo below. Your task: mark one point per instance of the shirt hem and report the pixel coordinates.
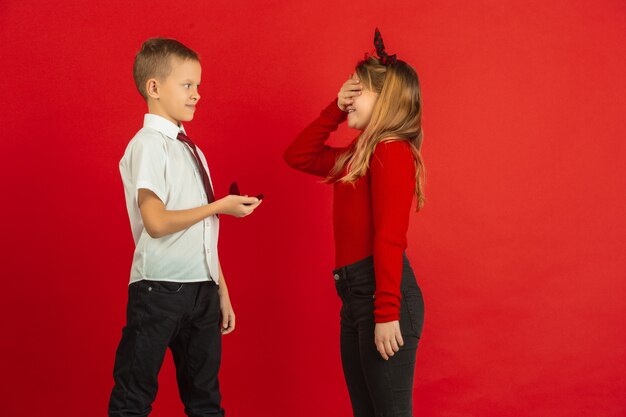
(172, 280)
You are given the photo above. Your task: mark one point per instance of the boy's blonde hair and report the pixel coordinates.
(154, 60)
(397, 115)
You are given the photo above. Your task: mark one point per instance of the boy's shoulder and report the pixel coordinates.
(147, 137)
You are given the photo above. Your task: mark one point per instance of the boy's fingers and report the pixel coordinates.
(254, 205)
(230, 328)
(228, 324)
(249, 200)
(251, 207)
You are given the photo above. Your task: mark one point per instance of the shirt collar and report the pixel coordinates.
(163, 125)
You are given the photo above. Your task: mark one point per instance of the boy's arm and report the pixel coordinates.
(159, 222)
(228, 315)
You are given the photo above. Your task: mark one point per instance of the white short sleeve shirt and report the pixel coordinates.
(156, 160)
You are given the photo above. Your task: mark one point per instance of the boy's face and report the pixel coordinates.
(175, 98)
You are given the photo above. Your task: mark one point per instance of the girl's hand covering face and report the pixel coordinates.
(350, 89)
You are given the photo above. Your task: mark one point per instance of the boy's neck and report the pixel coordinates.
(154, 108)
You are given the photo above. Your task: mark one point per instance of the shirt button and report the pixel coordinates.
(336, 277)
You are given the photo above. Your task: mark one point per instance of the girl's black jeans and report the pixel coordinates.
(377, 387)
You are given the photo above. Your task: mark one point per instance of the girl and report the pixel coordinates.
(374, 180)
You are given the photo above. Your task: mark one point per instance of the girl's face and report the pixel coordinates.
(360, 111)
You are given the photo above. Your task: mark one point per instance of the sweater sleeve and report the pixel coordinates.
(392, 171)
(308, 152)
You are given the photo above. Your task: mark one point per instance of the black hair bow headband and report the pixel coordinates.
(383, 56)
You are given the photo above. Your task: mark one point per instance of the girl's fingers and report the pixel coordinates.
(388, 348)
(381, 349)
(394, 345)
(345, 101)
(399, 338)
(352, 88)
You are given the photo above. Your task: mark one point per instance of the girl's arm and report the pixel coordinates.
(308, 152)
(393, 183)
(392, 170)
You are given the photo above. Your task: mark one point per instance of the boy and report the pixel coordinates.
(177, 296)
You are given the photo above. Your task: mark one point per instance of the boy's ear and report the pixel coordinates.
(152, 88)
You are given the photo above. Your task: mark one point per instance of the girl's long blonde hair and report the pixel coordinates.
(397, 115)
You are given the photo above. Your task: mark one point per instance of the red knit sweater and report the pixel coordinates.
(371, 216)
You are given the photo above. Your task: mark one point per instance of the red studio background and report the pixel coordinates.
(519, 250)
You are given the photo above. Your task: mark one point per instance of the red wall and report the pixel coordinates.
(519, 250)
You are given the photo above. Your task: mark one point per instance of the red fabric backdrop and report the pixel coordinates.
(519, 250)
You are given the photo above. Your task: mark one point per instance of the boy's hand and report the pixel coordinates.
(350, 89)
(237, 205)
(388, 338)
(228, 314)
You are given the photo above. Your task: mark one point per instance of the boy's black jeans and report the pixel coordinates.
(377, 388)
(185, 318)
